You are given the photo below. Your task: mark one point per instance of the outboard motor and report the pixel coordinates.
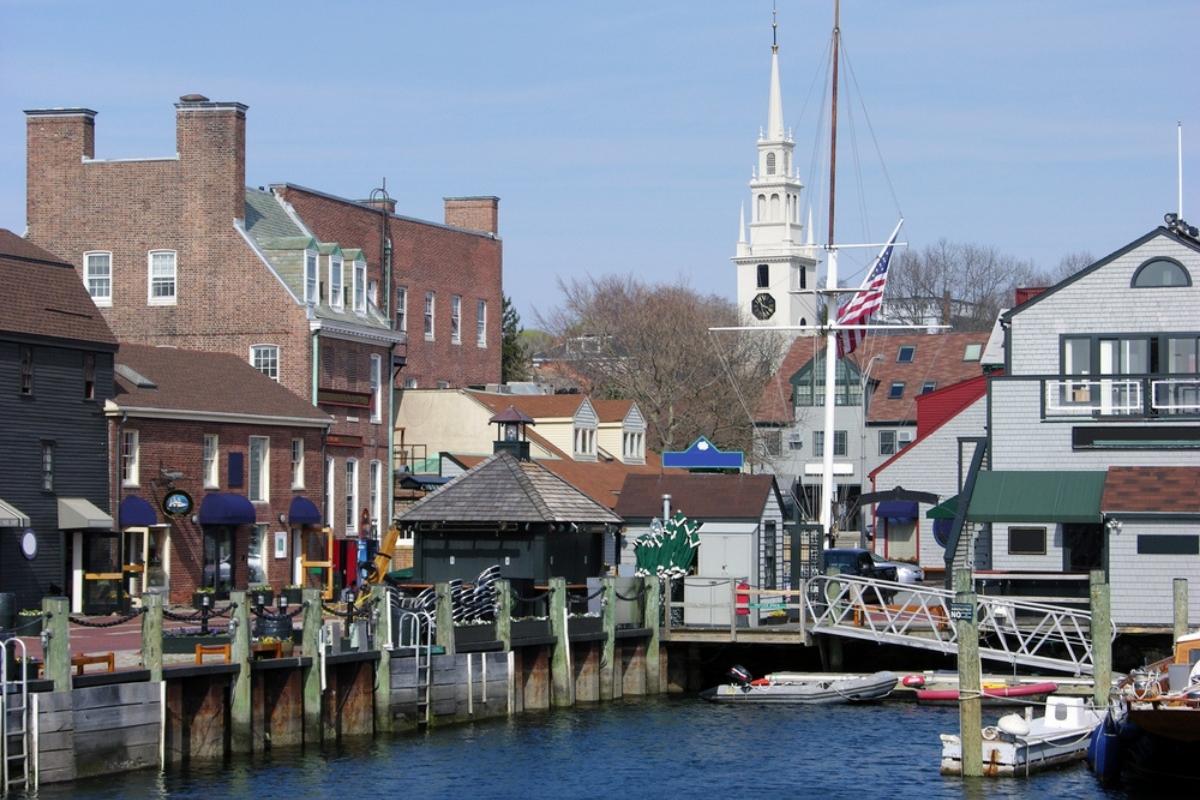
(740, 675)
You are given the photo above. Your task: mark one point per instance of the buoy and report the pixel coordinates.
(913, 681)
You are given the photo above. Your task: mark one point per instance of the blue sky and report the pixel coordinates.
(620, 135)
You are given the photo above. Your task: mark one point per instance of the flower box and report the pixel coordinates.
(474, 634)
(582, 626)
(530, 629)
(294, 595)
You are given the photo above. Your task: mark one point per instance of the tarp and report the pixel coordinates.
(1037, 496)
(221, 508)
(897, 510)
(303, 511)
(134, 512)
(78, 514)
(668, 550)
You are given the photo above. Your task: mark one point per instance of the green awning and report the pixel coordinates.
(944, 510)
(1037, 496)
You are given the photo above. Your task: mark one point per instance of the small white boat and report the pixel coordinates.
(1019, 745)
(821, 690)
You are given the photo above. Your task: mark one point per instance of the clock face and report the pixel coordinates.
(763, 305)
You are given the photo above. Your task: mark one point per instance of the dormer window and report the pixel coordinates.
(633, 446)
(360, 286)
(972, 352)
(310, 277)
(336, 296)
(585, 441)
(1161, 273)
(906, 353)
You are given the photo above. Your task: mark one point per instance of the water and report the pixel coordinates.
(674, 748)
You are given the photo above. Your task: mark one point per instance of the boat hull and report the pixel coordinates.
(823, 692)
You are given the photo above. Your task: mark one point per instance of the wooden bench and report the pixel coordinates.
(203, 650)
(82, 660)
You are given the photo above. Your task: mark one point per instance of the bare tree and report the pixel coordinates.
(1068, 265)
(652, 344)
(962, 284)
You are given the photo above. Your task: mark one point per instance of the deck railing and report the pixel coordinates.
(1121, 396)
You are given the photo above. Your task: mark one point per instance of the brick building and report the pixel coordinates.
(178, 251)
(245, 450)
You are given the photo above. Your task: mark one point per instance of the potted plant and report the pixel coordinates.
(261, 594)
(204, 596)
(29, 622)
(294, 593)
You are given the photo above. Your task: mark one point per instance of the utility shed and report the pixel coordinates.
(510, 512)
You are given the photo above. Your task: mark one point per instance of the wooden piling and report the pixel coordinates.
(504, 613)
(383, 667)
(445, 618)
(562, 678)
(241, 737)
(1101, 634)
(152, 633)
(57, 657)
(652, 619)
(970, 700)
(311, 637)
(1180, 586)
(608, 646)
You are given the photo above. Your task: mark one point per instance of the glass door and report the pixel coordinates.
(155, 576)
(102, 590)
(218, 560)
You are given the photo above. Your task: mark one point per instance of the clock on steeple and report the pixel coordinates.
(763, 306)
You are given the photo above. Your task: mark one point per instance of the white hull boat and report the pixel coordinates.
(816, 691)
(1018, 746)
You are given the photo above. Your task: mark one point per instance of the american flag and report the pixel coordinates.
(866, 301)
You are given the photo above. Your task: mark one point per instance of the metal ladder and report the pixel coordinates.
(414, 632)
(14, 701)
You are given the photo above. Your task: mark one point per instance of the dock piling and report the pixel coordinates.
(562, 678)
(241, 738)
(444, 631)
(1100, 631)
(56, 639)
(970, 700)
(504, 613)
(608, 646)
(311, 643)
(383, 667)
(152, 633)
(653, 621)
(1180, 586)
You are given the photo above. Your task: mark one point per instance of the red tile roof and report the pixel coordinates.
(1152, 490)
(45, 297)
(699, 495)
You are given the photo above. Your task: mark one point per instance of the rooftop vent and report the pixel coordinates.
(193, 98)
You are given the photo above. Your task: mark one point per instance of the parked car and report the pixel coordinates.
(857, 561)
(905, 572)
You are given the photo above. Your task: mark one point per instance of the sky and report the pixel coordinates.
(620, 135)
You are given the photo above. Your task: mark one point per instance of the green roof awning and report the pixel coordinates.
(944, 510)
(1037, 496)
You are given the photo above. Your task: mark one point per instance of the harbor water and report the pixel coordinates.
(674, 748)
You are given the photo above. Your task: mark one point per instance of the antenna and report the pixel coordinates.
(774, 28)
(1179, 166)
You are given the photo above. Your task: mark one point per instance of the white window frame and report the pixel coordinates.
(410, 383)
(375, 477)
(376, 388)
(263, 495)
(585, 441)
(330, 475)
(402, 309)
(130, 458)
(481, 323)
(360, 286)
(312, 277)
(351, 495)
(336, 296)
(265, 350)
(101, 300)
(456, 319)
(211, 464)
(297, 463)
(47, 466)
(430, 316)
(165, 300)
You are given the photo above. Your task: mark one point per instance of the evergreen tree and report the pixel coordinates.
(514, 361)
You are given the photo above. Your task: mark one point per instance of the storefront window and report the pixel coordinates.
(256, 563)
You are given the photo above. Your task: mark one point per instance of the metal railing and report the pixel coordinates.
(14, 702)
(1121, 396)
(409, 628)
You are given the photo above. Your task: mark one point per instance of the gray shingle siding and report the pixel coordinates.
(1142, 585)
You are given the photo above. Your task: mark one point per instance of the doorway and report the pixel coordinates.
(218, 560)
(1083, 547)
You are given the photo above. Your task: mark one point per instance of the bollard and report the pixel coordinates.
(241, 739)
(445, 619)
(383, 668)
(310, 642)
(1101, 633)
(1180, 585)
(652, 619)
(562, 679)
(608, 648)
(504, 613)
(56, 641)
(970, 701)
(152, 635)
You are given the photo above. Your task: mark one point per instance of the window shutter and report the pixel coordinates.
(237, 470)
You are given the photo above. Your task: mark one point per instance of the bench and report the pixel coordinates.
(223, 650)
(82, 660)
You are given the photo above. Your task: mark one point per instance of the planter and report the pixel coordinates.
(473, 634)
(530, 628)
(186, 643)
(294, 596)
(30, 625)
(279, 628)
(580, 626)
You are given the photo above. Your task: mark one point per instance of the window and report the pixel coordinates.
(310, 277)
(410, 383)
(481, 323)
(162, 278)
(928, 386)
(329, 476)
(336, 295)
(211, 462)
(810, 384)
(770, 163)
(351, 495)
(89, 376)
(256, 563)
(1160, 273)
(360, 286)
(903, 439)
(373, 293)
(1165, 544)
(429, 308)
(375, 474)
(443, 384)
(772, 442)
(896, 390)
(97, 269)
(632, 444)
(402, 309)
(906, 353)
(26, 369)
(297, 463)
(764, 276)
(1026, 541)
(129, 458)
(265, 359)
(887, 443)
(585, 441)
(47, 466)
(456, 319)
(376, 388)
(839, 443)
(260, 470)
(795, 441)
(972, 352)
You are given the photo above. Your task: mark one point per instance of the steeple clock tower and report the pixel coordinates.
(775, 261)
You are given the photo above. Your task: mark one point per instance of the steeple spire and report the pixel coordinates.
(775, 131)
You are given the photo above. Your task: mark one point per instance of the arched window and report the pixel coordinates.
(775, 207)
(762, 208)
(770, 163)
(1161, 272)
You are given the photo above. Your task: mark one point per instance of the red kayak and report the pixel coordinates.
(1023, 691)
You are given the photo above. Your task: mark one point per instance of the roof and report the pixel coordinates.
(45, 296)
(936, 357)
(1036, 496)
(200, 381)
(699, 495)
(502, 489)
(553, 406)
(1152, 490)
(935, 409)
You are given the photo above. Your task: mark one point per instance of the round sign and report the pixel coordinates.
(29, 545)
(177, 503)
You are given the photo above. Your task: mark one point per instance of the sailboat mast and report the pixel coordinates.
(831, 282)
(833, 119)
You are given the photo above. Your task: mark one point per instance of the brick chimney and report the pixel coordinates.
(475, 213)
(211, 141)
(57, 142)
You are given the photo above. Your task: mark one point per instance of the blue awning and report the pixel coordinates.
(134, 512)
(220, 508)
(897, 510)
(303, 511)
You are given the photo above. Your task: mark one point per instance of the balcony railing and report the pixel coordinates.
(1122, 396)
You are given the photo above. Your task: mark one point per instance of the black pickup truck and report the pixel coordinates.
(856, 561)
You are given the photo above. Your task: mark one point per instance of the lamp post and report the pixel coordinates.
(862, 445)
